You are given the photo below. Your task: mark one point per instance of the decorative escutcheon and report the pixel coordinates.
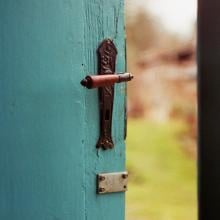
(105, 81)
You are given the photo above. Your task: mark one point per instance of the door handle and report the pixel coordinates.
(95, 81)
(105, 81)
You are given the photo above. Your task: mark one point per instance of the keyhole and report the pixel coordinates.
(107, 115)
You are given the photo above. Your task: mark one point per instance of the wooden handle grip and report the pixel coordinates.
(95, 81)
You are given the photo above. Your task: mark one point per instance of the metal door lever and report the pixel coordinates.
(94, 81)
(105, 81)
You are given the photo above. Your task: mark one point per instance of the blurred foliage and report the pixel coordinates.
(162, 178)
(145, 32)
(141, 30)
(160, 155)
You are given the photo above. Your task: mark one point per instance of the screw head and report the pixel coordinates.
(101, 190)
(124, 175)
(101, 178)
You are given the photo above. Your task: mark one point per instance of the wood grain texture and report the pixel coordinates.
(41, 110)
(49, 124)
(104, 19)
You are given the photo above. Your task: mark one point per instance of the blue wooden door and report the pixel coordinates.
(49, 123)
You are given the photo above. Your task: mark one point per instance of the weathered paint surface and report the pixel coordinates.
(103, 19)
(48, 122)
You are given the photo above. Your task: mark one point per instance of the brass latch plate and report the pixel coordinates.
(112, 182)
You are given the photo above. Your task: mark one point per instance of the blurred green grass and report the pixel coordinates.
(162, 177)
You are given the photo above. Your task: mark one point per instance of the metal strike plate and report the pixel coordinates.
(112, 182)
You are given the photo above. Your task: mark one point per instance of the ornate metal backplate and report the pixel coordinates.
(106, 65)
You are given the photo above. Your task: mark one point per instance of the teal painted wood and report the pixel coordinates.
(49, 124)
(104, 19)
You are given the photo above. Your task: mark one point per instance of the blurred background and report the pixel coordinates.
(162, 110)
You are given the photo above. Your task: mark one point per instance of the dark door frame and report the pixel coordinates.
(209, 108)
